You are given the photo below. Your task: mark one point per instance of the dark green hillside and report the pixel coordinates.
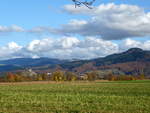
(32, 62)
(134, 54)
(4, 68)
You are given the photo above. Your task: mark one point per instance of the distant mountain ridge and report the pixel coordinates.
(133, 54)
(4, 68)
(134, 58)
(132, 61)
(22, 63)
(32, 62)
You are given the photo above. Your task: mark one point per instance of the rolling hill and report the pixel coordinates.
(22, 63)
(133, 61)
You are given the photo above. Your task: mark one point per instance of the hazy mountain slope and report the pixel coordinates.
(128, 61)
(134, 60)
(134, 54)
(22, 63)
(4, 68)
(32, 62)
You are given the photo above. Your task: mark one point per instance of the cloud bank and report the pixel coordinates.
(68, 48)
(106, 21)
(110, 21)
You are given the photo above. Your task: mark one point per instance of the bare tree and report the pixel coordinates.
(86, 3)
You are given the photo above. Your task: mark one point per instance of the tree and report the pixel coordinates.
(10, 77)
(39, 77)
(142, 76)
(58, 76)
(111, 77)
(91, 76)
(45, 76)
(70, 76)
(19, 78)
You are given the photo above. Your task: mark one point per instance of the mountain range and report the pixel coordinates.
(23, 63)
(132, 61)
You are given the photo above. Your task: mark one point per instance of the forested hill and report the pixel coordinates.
(134, 59)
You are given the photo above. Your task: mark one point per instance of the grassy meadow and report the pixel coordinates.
(76, 97)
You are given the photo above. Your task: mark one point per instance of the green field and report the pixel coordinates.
(76, 97)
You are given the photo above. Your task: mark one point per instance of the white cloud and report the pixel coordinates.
(69, 48)
(129, 43)
(9, 51)
(62, 48)
(13, 46)
(13, 28)
(106, 21)
(132, 43)
(42, 29)
(110, 21)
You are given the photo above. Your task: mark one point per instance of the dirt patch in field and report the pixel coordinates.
(33, 82)
(47, 82)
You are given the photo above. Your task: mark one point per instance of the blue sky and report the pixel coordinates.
(32, 13)
(29, 14)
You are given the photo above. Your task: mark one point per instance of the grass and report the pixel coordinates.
(76, 97)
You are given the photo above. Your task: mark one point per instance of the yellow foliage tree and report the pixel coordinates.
(58, 76)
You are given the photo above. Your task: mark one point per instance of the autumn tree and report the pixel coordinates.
(19, 78)
(10, 77)
(111, 77)
(70, 76)
(142, 76)
(45, 76)
(91, 76)
(39, 77)
(58, 76)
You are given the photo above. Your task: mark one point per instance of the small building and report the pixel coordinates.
(29, 72)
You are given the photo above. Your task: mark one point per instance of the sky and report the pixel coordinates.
(56, 29)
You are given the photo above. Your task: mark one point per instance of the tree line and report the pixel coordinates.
(65, 76)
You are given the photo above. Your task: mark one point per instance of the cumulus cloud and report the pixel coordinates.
(129, 43)
(69, 48)
(106, 21)
(9, 51)
(62, 48)
(110, 21)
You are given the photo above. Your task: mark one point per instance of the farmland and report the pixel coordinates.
(76, 97)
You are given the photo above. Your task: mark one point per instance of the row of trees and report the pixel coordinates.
(55, 76)
(111, 77)
(65, 76)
